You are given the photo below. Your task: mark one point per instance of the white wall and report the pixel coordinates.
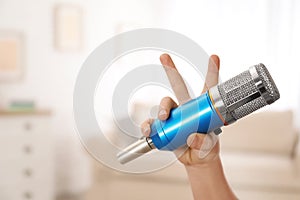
(241, 32)
(245, 33)
(50, 74)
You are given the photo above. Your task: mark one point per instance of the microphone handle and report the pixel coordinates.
(197, 115)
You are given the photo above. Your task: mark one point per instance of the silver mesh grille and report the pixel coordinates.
(237, 88)
(249, 107)
(241, 95)
(268, 81)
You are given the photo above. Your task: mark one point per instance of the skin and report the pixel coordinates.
(206, 175)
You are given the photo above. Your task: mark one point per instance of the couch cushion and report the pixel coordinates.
(270, 132)
(263, 170)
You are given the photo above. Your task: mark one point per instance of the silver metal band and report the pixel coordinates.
(136, 150)
(220, 106)
(150, 143)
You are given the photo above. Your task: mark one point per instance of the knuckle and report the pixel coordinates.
(166, 101)
(143, 125)
(150, 121)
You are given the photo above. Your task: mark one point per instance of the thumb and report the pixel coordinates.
(195, 140)
(204, 143)
(209, 142)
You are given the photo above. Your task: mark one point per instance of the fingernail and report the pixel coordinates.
(162, 112)
(193, 141)
(146, 130)
(206, 147)
(203, 154)
(190, 140)
(209, 142)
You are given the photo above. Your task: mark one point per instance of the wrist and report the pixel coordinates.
(208, 181)
(206, 171)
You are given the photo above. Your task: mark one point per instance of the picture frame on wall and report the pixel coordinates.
(11, 55)
(68, 24)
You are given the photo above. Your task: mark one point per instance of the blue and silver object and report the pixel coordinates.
(221, 105)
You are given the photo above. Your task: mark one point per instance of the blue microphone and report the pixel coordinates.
(197, 115)
(221, 105)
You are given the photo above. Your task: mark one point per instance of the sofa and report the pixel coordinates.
(261, 159)
(261, 156)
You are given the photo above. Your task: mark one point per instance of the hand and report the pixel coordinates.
(202, 148)
(201, 158)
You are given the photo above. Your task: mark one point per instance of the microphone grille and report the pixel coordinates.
(243, 95)
(268, 82)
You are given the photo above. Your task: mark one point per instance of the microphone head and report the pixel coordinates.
(247, 92)
(268, 82)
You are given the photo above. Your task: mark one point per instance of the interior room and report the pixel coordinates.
(45, 44)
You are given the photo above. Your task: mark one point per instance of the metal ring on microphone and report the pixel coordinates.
(219, 106)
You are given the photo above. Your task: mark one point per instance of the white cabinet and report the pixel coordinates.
(26, 156)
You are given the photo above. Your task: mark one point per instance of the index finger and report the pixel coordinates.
(177, 83)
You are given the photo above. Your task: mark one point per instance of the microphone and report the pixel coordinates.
(221, 105)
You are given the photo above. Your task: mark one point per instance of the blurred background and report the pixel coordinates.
(42, 47)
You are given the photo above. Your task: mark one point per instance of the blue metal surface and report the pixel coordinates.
(197, 115)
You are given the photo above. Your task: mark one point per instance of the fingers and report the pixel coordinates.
(212, 76)
(175, 79)
(165, 106)
(209, 142)
(145, 127)
(195, 140)
(204, 143)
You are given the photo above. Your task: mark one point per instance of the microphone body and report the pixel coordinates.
(221, 105)
(196, 116)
